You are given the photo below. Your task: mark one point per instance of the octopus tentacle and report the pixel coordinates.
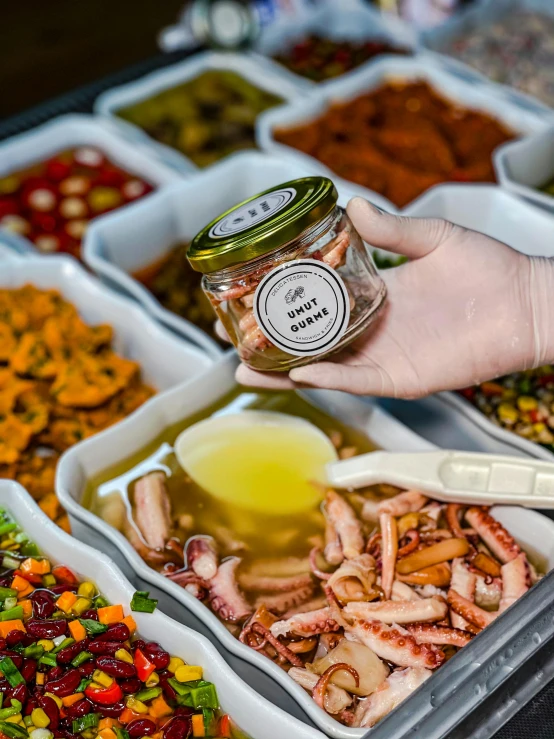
(225, 598)
(514, 581)
(411, 501)
(468, 610)
(463, 582)
(307, 624)
(355, 580)
(268, 583)
(413, 542)
(320, 688)
(202, 556)
(451, 515)
(314, 604)
(282, 602)
(313, 565)
(389, 549)
(399, 612)
(152, 509)
(284, 651)
(336, 699)
(501, 543)
(333, 550)
(439, 635)
(394, 644)
(346, 523)
(402, 591)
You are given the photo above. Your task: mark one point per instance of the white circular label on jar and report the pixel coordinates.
(303, 307)
(251, 213)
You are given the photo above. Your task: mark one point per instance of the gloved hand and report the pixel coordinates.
(466, 308)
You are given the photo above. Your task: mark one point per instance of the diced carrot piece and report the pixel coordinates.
(66, 601)
(39, 679)
(50, 505)
(35, 566)
(63, 522)
(33, 579)
(23, 587)
(77, 630)
(16, 624)
(27, 608)
(198, 725)
(130, 623)
(127, 715)
(108, 723)
(69, 700)
(110, 614)
(159, 708)
(107, 734)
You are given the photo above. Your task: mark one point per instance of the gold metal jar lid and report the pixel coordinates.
(262, 224)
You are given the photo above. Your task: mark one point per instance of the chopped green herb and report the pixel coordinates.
(148, 694)
(82, 657)
(142, 603)
(122, 734)
(85, 722)
(5, 528)
(7, 593)
(93, 627)
(10, 672)
(66, 643)
(11, 613)
(83, 684)
(34, 651)
(10, 563)
(48, 659)
(13, 731)
(12, 711)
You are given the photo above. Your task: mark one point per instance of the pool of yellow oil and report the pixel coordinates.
(265, 468)
(289, 521)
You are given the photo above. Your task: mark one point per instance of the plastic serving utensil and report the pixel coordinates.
(460, 477)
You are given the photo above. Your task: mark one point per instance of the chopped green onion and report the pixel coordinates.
(142, 603)
(1, 699)
(10, 563)
(209, 721)
(11, 613)
(7, 593)
(181, 688)
(85, 682)
(13, 731)
(65, 643)
(21, 537)
(101, 602)
(33, 651)
(85, 722)
(28, 721)
(148, 694)
(92, 627)
(48, 659)
(30, 549)
(10, 602)
(10, 672)
(6, 528)
(82, 657)
(122, 734)
(7, 712)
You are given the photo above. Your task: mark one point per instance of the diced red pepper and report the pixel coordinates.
(29, 576)
(143, 666)
(64, 576)
(545, 380)
(468, 392)
(224, 728)
(106, 697)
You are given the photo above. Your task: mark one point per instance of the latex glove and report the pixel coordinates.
(466, 308)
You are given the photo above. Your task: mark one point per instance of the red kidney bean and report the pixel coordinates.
(55, 673)
(50, 708)
(66, 654)
(139, 644)
(158, 656)
(30, 706)
(91, 613)
(168, 691)
(130, 686)
(87, 669)
(14, 637)
(111, 711)
(115, 632)
(64, 685)
(78, 709)
(2, 643)
(184, 711)
(116, 667)
(43, 603)
(105, 647)
(179, 727)
(141, 727)
(28, 669)
(20, 693)
(48, 629)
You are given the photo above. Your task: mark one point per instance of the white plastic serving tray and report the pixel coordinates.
(13, 246)
(92, 456)
(436, 43)
(267, 75)
(488, 98)
(252, 713)
(124, 242)
(165, 360)
(497, 213)
(524, 166)
(69, 131)
(358, 22)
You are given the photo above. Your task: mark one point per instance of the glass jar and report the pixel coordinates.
(288, 275)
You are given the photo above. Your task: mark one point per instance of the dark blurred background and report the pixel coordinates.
(48, 48)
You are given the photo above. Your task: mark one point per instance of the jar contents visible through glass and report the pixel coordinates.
(288, 275)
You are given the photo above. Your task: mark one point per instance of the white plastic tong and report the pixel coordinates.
(461, 477)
